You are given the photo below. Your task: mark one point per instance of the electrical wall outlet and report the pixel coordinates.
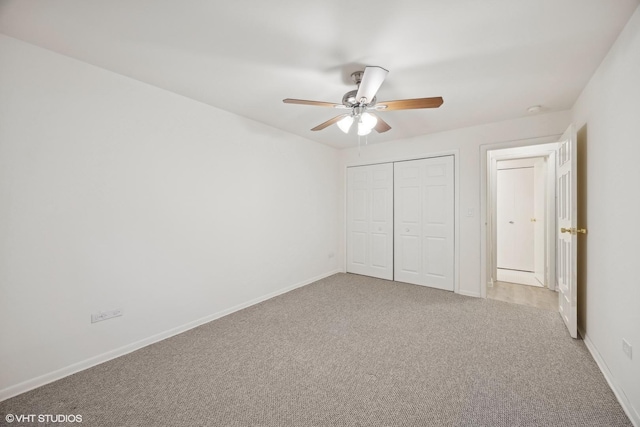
(104, 315)
(626, 348)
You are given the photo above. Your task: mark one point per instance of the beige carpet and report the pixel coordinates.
(348, 351)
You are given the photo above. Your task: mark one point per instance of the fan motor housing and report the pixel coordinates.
(349, 99)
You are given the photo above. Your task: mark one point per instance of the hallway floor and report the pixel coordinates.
(524, 295)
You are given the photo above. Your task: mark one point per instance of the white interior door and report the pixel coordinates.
(566, 190)
(424, 222)
(515, 211)
(370, 220)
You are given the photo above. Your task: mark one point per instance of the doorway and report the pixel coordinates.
(562, 225)
(520, 221)
(521, 225)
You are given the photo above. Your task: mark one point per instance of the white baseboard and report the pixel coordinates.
(31, 384)
(619, 393)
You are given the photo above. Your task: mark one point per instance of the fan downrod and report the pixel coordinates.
(356, 76)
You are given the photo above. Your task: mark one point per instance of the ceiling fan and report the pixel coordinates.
(363, 103)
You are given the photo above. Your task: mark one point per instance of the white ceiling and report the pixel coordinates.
(490, 60)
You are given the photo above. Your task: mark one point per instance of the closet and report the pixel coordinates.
(400, 221)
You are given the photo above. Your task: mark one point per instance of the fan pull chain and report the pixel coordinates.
(358, 145)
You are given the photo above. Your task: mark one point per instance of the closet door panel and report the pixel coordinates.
(370, 220)
(424, 222)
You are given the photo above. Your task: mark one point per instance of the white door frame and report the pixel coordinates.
(542, 193)
(532, 147)
(456, 197)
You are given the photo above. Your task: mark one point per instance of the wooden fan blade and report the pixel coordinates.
(316, 103)
(411, 104)
(381, 126)
(371, 81)
(330, 122)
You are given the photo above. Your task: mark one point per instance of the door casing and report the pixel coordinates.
(489, 155)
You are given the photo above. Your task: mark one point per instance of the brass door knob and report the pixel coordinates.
(573, 230)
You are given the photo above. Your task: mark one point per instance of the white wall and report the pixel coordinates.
(608, 119)
(467, 142)
(117, 194)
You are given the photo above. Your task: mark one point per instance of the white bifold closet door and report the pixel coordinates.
(424, 222)
(370, 220)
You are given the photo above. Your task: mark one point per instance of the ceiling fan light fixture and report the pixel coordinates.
(369, 120)
(366, 122)
(345, 124)
(363, 129)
